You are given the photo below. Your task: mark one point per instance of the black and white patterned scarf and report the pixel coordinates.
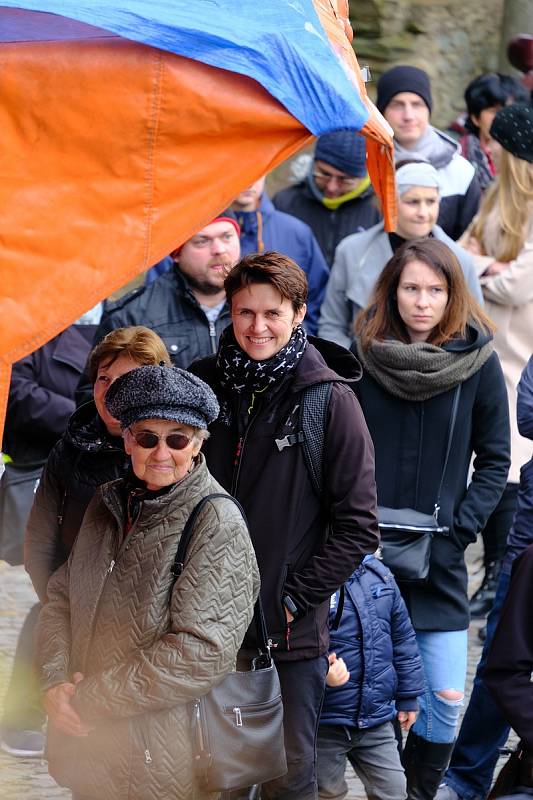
(238, 373)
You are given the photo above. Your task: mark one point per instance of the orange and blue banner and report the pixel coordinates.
(127, 126)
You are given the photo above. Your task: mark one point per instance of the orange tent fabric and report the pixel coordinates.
(333, 15)
(114, 153)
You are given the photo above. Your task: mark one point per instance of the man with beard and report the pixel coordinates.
(187, 305)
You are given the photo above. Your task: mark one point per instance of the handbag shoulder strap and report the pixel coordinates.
(451, 428)
(181, 552)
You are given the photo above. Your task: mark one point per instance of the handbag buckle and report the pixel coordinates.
(262, 661)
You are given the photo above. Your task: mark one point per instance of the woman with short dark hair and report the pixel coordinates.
(431, 381)
(312, 518)
(484, 96)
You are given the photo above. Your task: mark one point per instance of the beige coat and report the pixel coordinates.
(509, 303)
(145, 653)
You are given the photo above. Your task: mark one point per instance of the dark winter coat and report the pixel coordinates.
(169, 308)
(410, 440)
(510, 662)
(296, 553)
(378, 644)
(290, 236)
(146, 649)
(83, 459)
(41, 395)
(521, 533)
(329, 227)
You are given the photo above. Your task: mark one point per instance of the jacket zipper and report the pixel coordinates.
(288, 636)
(238, 457)
(213, 337)
(107, 573)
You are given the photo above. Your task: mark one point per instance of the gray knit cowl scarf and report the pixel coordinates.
(420, 370)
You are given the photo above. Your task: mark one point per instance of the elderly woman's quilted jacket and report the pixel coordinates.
(145, 651)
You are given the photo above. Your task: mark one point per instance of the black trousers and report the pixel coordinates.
(302, 689)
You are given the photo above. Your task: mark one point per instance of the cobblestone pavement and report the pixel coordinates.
(27, 779)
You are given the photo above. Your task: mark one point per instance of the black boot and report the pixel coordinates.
(482, 600)
(425, 764)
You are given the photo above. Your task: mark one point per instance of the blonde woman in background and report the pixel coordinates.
(501, 241)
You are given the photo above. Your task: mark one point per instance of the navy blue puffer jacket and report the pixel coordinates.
(377, 641)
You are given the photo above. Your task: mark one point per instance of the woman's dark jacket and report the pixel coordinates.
(510, 662)
(521, 533)
(82, 460)
(378, 644)
(410, 440)
(305, 547)
(41, 395)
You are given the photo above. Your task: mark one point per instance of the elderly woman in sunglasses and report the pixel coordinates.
(122, 647)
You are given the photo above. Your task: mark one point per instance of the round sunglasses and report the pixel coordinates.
(148, 440)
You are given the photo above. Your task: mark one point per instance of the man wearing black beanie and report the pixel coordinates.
(404, 99)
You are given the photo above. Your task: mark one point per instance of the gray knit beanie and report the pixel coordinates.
(160, 392)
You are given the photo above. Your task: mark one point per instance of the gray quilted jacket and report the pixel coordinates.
(144, 655)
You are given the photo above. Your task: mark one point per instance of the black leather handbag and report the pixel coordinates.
(406, 534)
(237, 728)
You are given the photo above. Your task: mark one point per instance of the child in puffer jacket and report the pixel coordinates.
(375, 675)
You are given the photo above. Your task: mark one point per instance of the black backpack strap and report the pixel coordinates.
(179, 562)
(313, 418)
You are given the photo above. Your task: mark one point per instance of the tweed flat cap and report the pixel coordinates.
(159, 392)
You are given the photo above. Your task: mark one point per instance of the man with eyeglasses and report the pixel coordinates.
(186, 306)
(336, 197)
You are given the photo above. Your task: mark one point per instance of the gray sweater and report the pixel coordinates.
(359, 260)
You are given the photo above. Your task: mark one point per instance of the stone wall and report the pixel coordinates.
(453, 40)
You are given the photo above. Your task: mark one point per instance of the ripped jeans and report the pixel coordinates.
(444, 656)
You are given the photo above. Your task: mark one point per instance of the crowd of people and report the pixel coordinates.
(326, 374)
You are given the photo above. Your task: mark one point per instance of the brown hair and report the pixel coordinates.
(137, 342)
(381, 318)
(273, 268)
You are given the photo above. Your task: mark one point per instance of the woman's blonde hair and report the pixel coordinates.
(512, 196)
(137, 342)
